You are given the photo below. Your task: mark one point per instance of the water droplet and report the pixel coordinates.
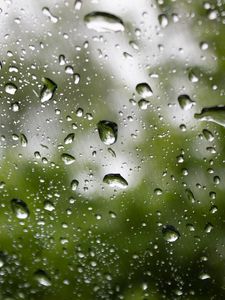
(185, 102)
(77, 4)
(20, 208)
(107, 132)
(47, 13)
(76, 78)
(143, 104)
(112, 152)
(62, 60)
(208, 135)
(69, 70)
(10, 88)
(112, 214)
(79, 112)
(190, 195)
(67, 159)
(204, 276)
(163, 20)
(48, 205)
(192, 76)
(133, 45)
(15, 107)
(204, 46)
(213, 209)
(1, 262)
(170, 233)
(208, 227)
(215, 114)
(69, 139)
(42, 278)
(103, 22)
(212, 14)
(74, 184)
(115, 180)
(144, 90)
(216, 179)
(48, 90)
(2, 184)
(23, 140)
(158, 191)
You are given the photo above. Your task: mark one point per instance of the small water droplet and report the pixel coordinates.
(208, 135)
(77, 4)
(185, 102)
(213, 209)
(103, 22)
(204, 46)
(62, 60)
(48, 205)
(170, 233)
(192, 76)
(19, 208)
(67, 159)
(79, 112)
(23, 140)
(144, 90)
(112, 152)
(204, 276)
(212, 14)
(2, 184)
(107, 132)
(115, 180)
(15, 107)
(76, 78)
(42, 278)
(208, 227)
(47, 13)
(190, 195)
(158, 191)
(163, 20)
(69, 138)
(48, 90)
(143, 104)
(74, 184)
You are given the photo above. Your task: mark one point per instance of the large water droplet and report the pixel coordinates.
(10, 88)
(107, 132)
(42, 278)
(214, 114)
(103, 22)
(67, 158)
(144, 90)
(20, 208)
(115, 180)
(48, 90)
(170, 233)
(185, 102)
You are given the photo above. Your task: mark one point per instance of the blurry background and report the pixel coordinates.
(64, 232)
